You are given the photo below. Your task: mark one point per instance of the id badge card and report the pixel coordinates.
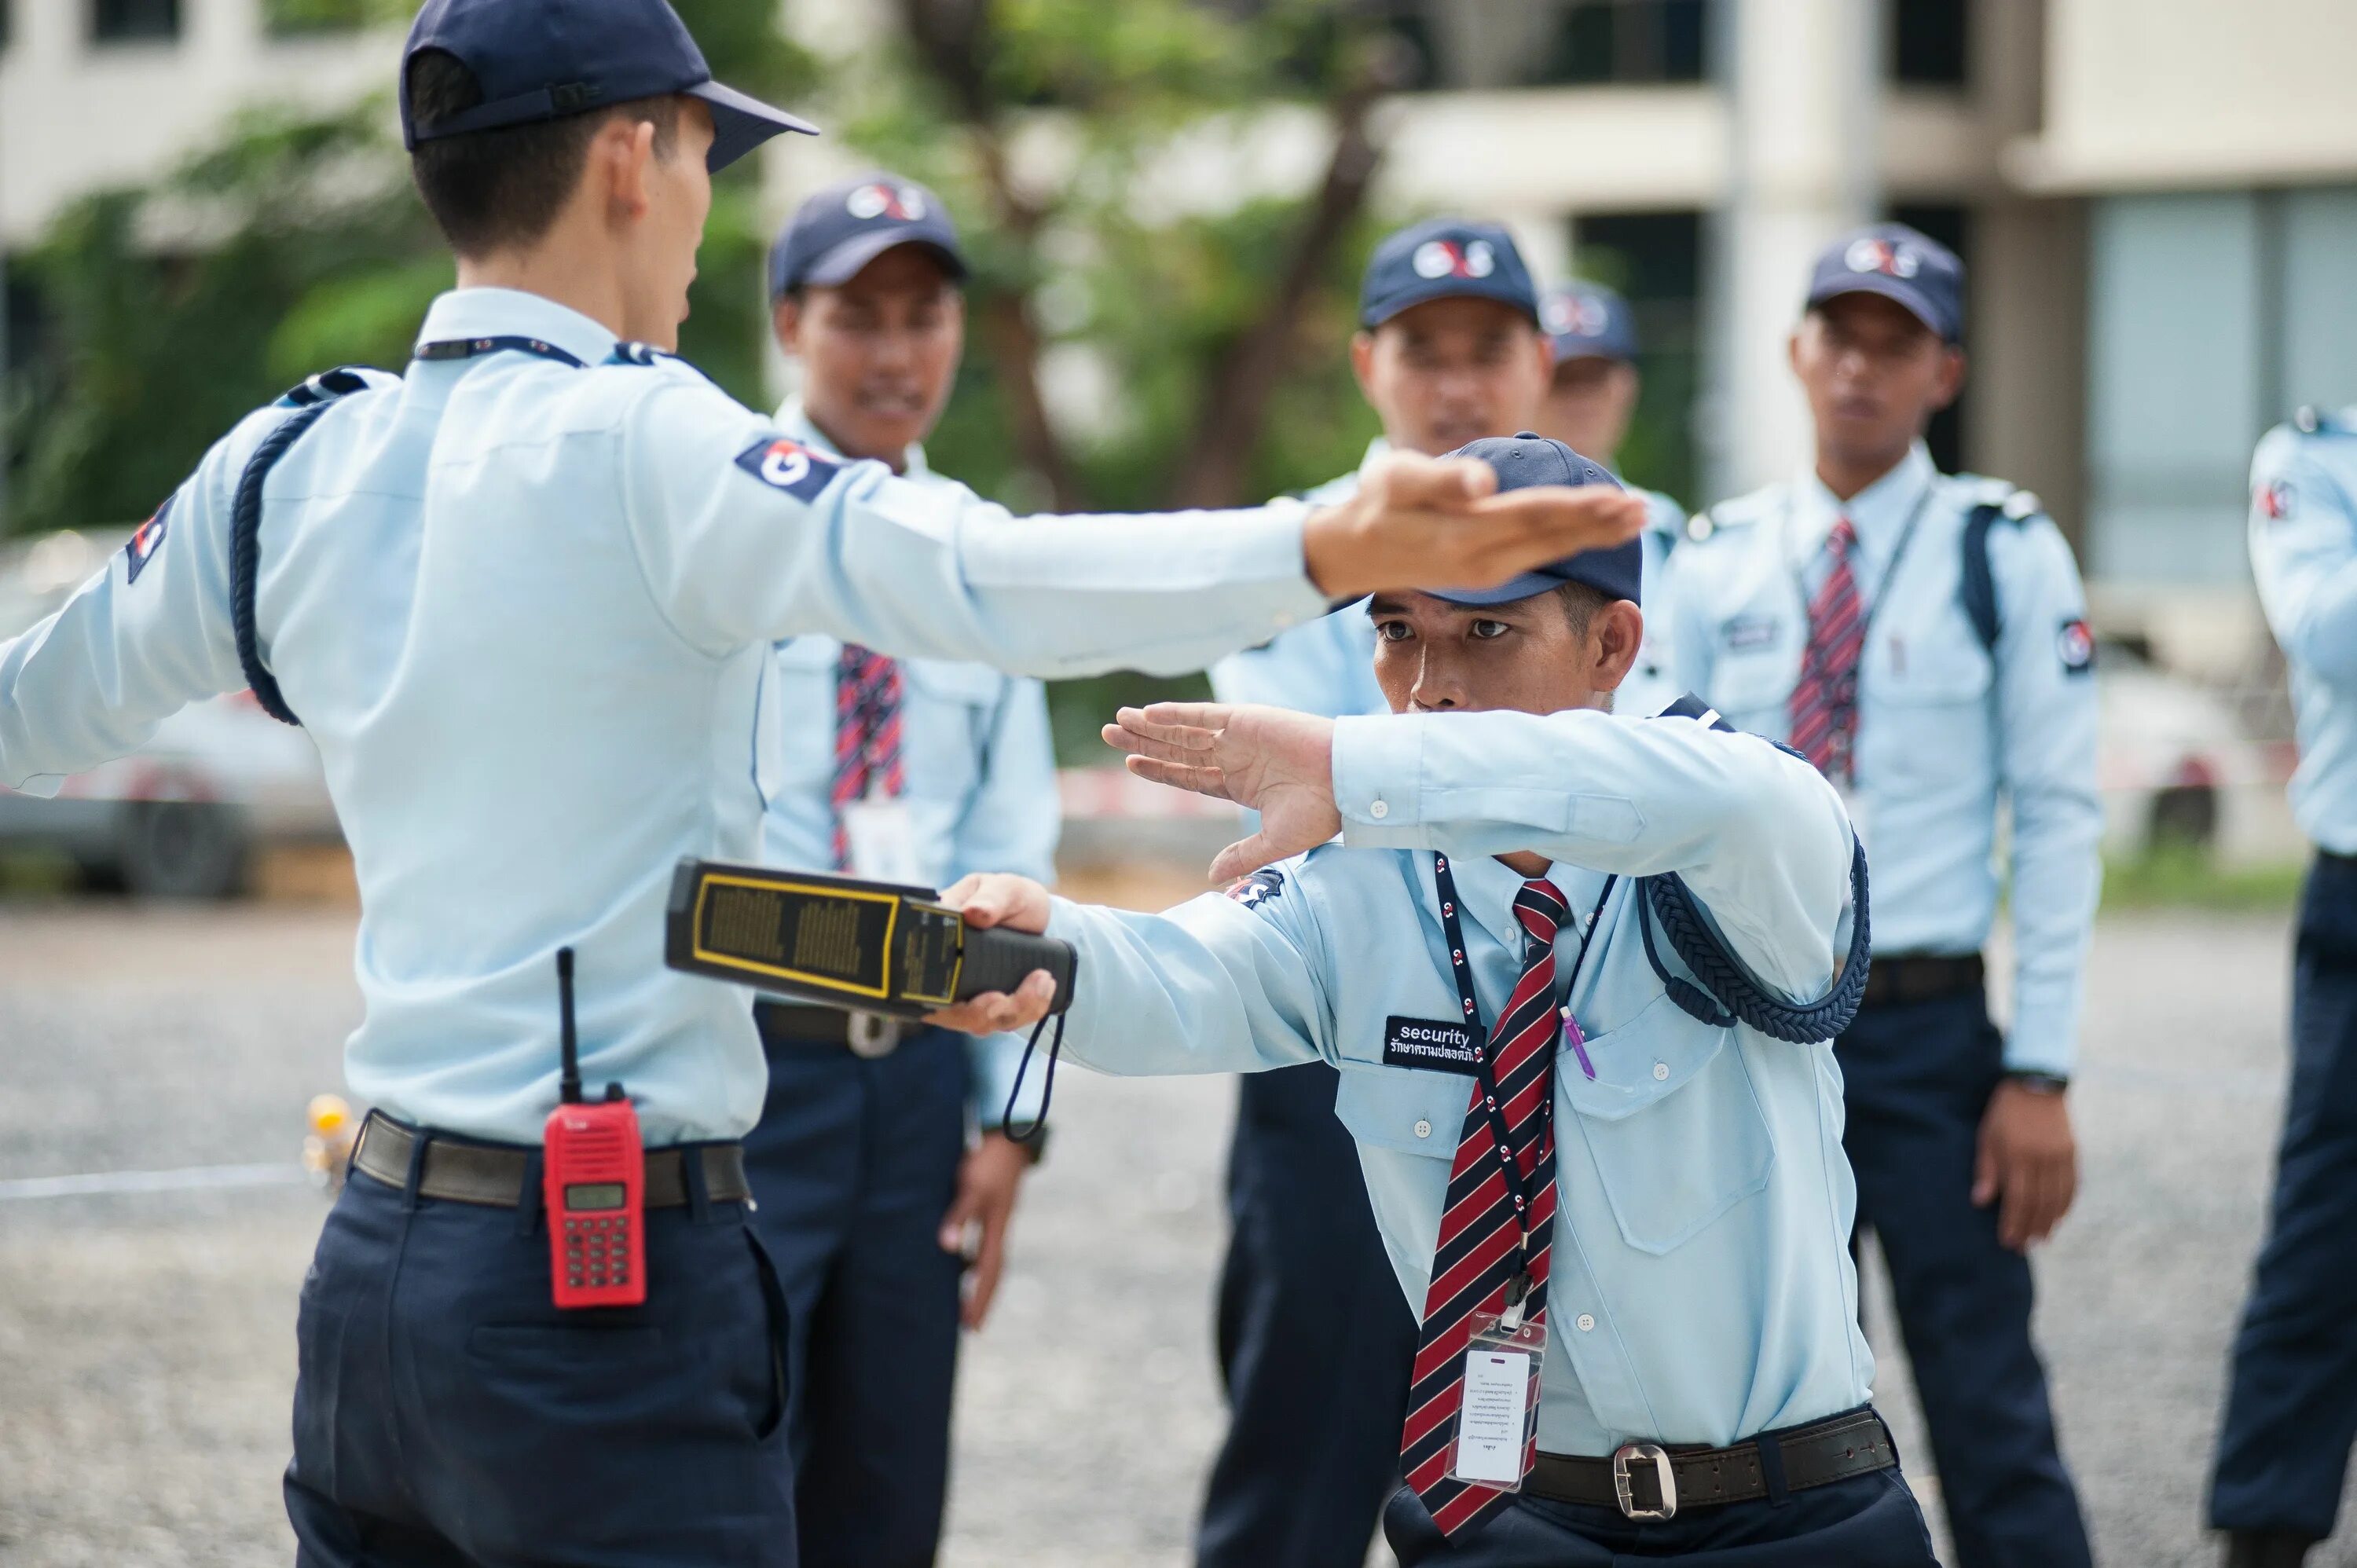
(883, 840)
(1497, 1417)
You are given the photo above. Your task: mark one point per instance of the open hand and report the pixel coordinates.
(2027, 1157)
(1437, 523)
(1278, 762)
(1020, 905)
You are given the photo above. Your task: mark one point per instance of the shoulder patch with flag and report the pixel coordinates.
(145, 542)
(1693, 707)
(1263, 886)
(787, 465)
(2077, 644)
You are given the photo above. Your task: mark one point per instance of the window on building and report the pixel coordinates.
(133, 21)
(1627, 41)
(1930, 41)
(1655, 260)
(1949, 226)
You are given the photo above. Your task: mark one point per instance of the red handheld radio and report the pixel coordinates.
(594, 1178)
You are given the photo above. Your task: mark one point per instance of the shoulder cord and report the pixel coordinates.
(1729, 994)
(245, 530)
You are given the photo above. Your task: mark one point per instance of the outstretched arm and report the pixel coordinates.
(1757, 834)
(746, 537)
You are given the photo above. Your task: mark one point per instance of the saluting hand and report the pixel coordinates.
(1278, 762)
(1437, 523)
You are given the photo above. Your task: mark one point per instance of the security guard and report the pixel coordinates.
(931, 770)
(1588, 408)
(1311, 1347)
(2291, 1408)
(1579, 1156)
(1923, 640)
(524, 597)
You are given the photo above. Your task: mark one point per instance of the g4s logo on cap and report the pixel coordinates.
(1445, 258)
(901, 203)
(1872, 255)
(1578, 314)
(789, 466)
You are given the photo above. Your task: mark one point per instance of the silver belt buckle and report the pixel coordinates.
(1663, 1475)
(872, 1035)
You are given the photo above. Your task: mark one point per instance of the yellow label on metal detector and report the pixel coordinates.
(834, 940)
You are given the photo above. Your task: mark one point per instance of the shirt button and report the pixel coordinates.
(1586, 1322)
(1380, 809)
(1423, 1128)
(1660, 1071)
(1284, 617)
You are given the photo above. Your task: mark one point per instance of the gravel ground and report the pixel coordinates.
(146, 1348)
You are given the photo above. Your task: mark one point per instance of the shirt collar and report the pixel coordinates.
(1487, 886)
(1877, 511)
(511, 313)
(795, 421)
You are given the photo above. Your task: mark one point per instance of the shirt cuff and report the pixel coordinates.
(1379, 782)
(2041, 1040)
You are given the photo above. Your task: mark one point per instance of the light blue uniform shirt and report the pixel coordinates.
(1945, 730)
(2304, 553)
(1701, 1288)
(981, 768)
(527, 612)
(1327, 667)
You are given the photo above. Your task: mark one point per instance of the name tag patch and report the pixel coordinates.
(789, 466)
(1435, 1044)
(1750, 632)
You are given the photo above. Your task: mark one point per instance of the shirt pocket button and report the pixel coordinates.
(1660, 1071)
(1586, 1322)
(1423, 1128)
(1380, 809)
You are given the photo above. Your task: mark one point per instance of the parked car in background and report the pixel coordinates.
(183, 816)
(2178, 770)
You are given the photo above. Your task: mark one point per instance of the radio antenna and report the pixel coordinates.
(568, 1087)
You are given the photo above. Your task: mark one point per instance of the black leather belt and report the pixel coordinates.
(867, 1035)
(1923, 977)
(492, 1174)
(1646, 1481)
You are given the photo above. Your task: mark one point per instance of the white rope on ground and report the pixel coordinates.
(194, 1178)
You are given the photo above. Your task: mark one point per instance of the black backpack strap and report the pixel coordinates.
(1727, 994)
(1978, 592)
(309, 400)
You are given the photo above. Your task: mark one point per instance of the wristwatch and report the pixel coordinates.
(2039, 1082)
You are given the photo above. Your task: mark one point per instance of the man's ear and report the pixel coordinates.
(1362, 361)
(786, 321)
(621, 159)
(1615, 632)
(1952, 378)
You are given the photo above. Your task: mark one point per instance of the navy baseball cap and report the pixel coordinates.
(1526, 459)
(1589, 321)
(544, 59)
(842, 228)
(1445, 258)
(1899, 264)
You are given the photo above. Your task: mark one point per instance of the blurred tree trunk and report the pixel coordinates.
(954, 43)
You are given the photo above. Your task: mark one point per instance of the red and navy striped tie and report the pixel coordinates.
(1825, 700)
(866, 736)
(1482, 1248)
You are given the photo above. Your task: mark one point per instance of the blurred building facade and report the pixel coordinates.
(2158, 199)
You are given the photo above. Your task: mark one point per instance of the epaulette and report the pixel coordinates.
(2313, 421)
(2010, 501)
(338, 383)
(1700, 526)
(646, 356)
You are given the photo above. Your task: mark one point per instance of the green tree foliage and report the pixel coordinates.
(170, 310)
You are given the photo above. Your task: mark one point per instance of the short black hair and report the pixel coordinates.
(1581, 602)
(491, 190)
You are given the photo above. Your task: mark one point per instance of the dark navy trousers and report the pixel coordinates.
(1917, 1078)
(1865, 1521)
(853, 1165)
(1316, 1341)
(2291, 1407)
(447, 1413)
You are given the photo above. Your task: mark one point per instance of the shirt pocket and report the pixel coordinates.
(950, 711)
(1672, 1125)
(1931, 690)
(1404, 1110)
(1754, 665)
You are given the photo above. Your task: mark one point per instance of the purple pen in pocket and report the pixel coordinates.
(1578, 1042)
